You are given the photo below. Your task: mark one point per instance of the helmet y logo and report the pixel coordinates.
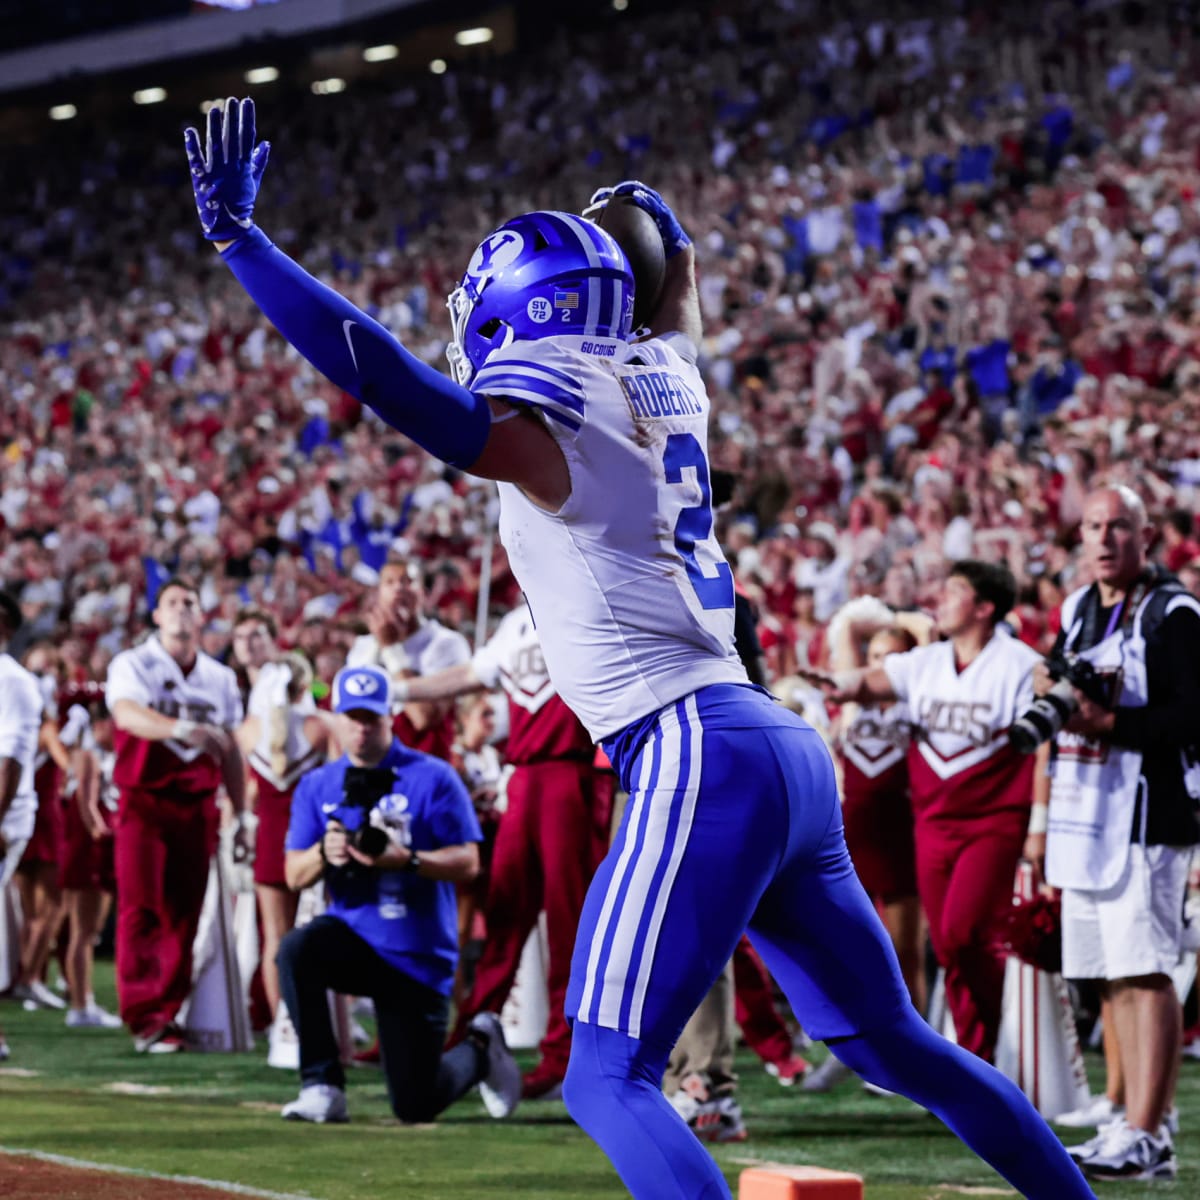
(496, 252)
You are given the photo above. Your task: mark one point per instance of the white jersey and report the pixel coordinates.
(269, 695)
(432, 648)
(513, 659)
(20, 724)
(628, 587)
(481, 768)
(77, 732)
(962, 762)
(877, 739)
(207, 694)
(48, 687)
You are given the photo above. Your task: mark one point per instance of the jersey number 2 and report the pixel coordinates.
(695, 522)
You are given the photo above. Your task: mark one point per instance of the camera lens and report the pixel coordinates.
(371, 840)
(1044, 718)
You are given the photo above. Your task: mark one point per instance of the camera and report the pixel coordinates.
(362, 790)
(1046, 716)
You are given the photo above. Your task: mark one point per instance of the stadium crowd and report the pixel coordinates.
(948, 267)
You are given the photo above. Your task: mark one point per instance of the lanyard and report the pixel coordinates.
(1115, 619)
(1122, 616)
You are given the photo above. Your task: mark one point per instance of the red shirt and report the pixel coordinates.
(437, 740)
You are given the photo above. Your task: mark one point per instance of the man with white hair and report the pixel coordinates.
(1121, 824)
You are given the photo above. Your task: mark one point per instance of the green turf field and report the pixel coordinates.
(217, 1118)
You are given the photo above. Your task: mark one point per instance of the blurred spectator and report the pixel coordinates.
(20, 717)
(1182, 548)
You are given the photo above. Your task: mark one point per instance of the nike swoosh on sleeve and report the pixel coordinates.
(347, 325)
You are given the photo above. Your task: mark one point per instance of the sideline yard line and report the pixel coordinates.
(83, 1164)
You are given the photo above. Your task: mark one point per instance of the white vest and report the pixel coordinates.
(1094, 784)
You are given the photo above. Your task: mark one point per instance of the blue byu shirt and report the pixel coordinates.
(409, 921)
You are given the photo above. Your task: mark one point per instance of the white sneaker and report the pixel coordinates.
(719, 1120)
(686, 1106)
(1096, 1143)
(37, 995)
(1130, 1153)
(321, 1103)
(500, 1088)
(691, 1096)
(826, 1077)
(92, 1017)
(1099, 1110)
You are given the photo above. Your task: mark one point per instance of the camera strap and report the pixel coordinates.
(1121, 618)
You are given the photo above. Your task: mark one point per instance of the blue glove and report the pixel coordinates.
(649, 201)
(225, 177)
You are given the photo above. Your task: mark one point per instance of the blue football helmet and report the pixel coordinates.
(538, 275)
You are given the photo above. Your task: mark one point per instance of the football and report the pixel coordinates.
(636, 233)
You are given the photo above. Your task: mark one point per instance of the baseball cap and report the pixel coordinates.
(362, 687)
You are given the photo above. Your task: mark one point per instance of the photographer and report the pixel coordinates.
(391, 830)
(1121, 821)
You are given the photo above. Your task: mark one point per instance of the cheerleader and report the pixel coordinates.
(283, 737)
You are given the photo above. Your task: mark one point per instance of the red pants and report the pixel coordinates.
(550, 842)
(965, 872)
(162, 850)
(754, 1006)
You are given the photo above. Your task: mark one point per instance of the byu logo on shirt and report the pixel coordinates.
(394, 808)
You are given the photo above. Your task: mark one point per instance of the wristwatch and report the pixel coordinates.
(414, 862)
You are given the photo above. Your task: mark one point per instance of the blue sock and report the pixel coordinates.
(988, 1111)
(613, 1090)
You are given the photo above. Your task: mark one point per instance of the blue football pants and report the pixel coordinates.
(733, 823)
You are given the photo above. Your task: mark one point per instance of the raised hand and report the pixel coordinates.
(649, 201)
(227, 173)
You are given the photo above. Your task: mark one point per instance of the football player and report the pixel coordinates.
(599, 445)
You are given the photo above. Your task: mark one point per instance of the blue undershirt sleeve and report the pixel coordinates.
(359, 355)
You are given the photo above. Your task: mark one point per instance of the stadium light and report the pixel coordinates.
(154, 95)
(620, 5)
(380, 53)
(328, 87)
(63, 112)
(262, 75)
(207, 105)
(438, 66)
(473, 37)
